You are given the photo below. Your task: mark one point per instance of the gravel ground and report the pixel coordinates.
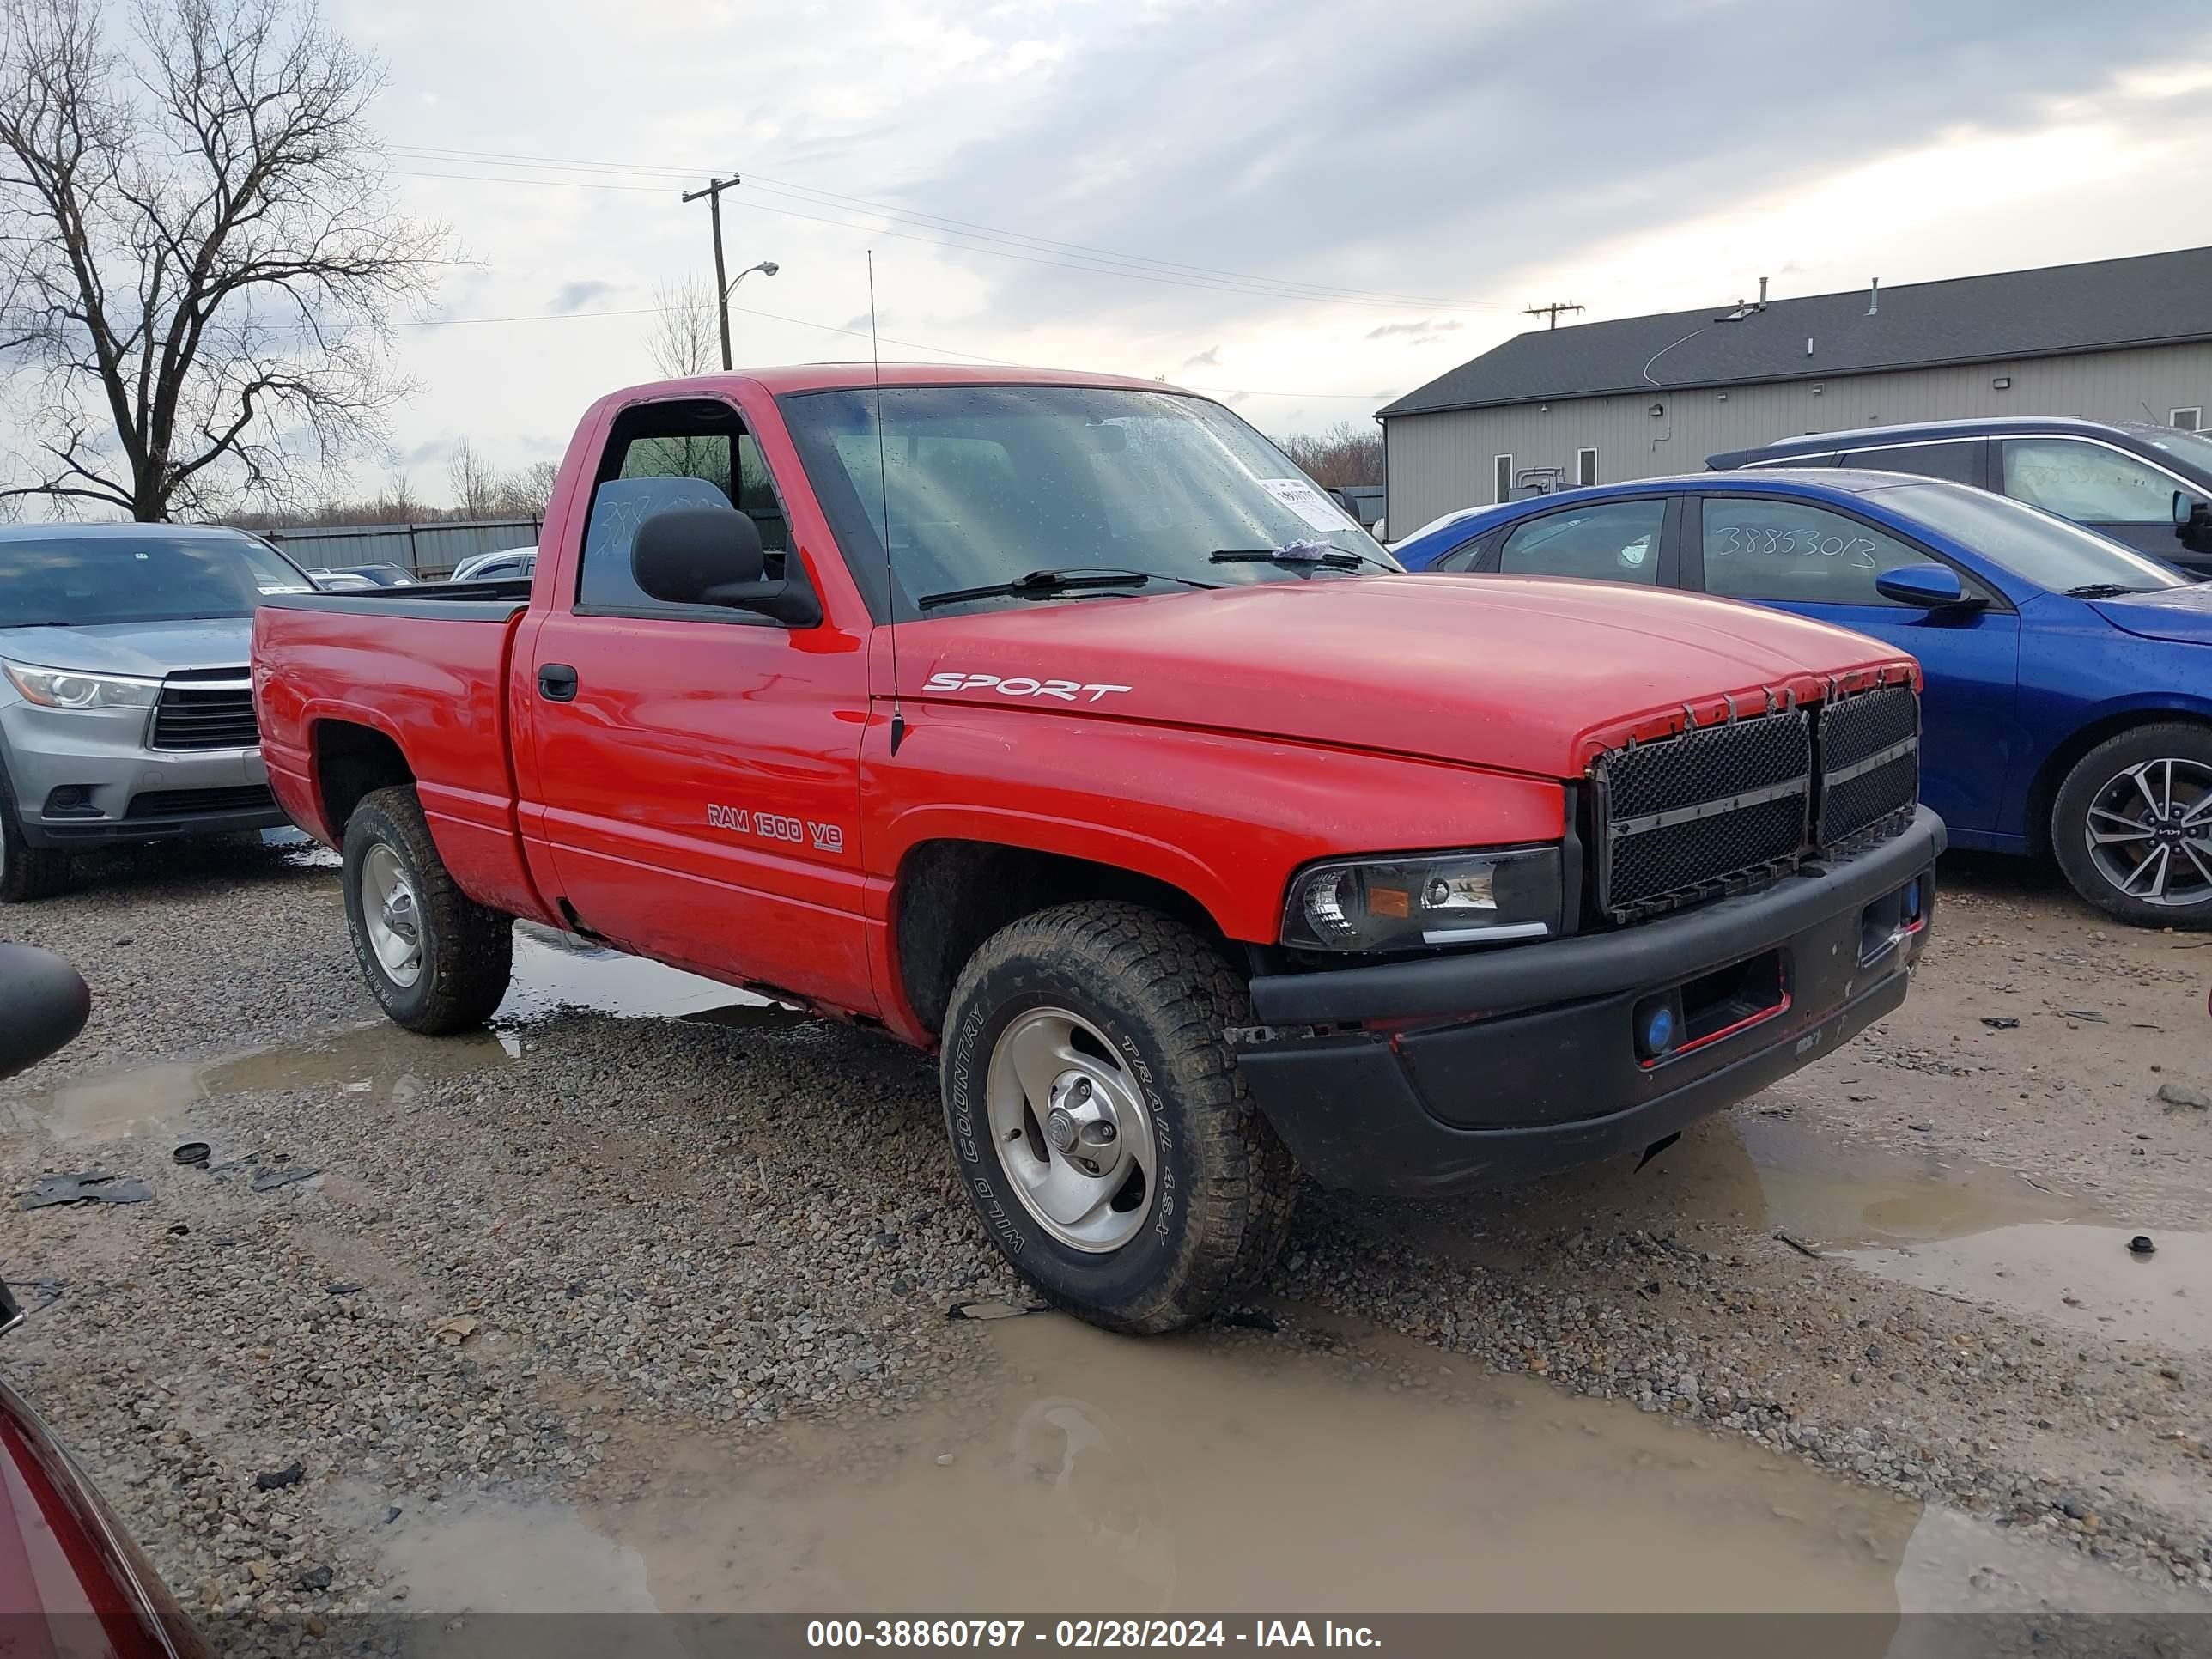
(514, 1253)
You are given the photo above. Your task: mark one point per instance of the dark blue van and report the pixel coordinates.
(2120, 478)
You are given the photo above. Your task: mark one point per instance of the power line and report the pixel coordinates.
(1092, 258)
(860, 333)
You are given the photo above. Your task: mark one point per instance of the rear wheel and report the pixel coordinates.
(26, 871)
(2132, 826)
(436, 960)
(1099, 1120)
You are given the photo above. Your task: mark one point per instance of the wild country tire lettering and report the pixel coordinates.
(995, 1215)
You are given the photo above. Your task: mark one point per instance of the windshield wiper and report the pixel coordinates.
(2105, 591)
(1297, 553)
(1036, 584)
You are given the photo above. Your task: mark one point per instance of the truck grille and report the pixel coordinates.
(1869, 766)
(1718, 809)
(207, 710)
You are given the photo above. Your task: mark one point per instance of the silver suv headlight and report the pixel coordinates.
(1487, 896)
(60, 688)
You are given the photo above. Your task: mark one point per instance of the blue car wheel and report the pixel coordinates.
(2132, 826)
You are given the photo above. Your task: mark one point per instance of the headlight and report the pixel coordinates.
(1405, 904)
(58, 687)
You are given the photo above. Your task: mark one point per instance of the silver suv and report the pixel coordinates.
(126, 706)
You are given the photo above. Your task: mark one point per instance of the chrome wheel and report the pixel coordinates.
(390, 914)
(1072, 1130)
(2149, 832)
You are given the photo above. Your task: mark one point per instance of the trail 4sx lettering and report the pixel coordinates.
(775, 826)
(1020, 685)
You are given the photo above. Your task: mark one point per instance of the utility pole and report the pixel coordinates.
(1552, 311)
(713, 194)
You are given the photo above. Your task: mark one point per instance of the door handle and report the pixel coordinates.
(556, 682)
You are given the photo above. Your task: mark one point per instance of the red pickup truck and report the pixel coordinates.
(1055, 723)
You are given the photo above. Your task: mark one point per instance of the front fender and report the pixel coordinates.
(1223, 819)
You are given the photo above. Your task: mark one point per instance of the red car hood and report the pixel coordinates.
(1530, 675)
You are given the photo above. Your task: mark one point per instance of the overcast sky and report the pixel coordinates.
(1310, 208)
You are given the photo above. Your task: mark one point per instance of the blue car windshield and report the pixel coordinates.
(77, 581)
(2034, 545)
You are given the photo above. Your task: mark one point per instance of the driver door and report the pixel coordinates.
(697, 780)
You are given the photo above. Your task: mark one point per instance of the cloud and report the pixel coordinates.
(1413, 334)
(575, 296)
(1460, 140)
(1332, 214)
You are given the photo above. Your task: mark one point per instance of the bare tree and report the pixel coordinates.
(199, 261)
(686, 337)
(476, 486)
(1343, 455)
(523, 494)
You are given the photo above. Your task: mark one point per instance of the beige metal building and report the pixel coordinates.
(1642, 397)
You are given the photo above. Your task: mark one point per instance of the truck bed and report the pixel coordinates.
(426, 668)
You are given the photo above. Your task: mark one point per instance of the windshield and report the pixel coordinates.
(987, 484)
(76, 581)
(2034, 545)
(2193, 449)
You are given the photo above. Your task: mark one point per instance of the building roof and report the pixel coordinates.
(2149, 300)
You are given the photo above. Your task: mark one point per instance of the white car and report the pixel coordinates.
(509, 564)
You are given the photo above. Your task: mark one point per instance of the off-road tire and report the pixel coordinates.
(468, 952)
(2184, 740)
(1221, 1207)
(26, 872)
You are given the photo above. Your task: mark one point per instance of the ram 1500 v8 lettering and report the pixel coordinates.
(1055, 723)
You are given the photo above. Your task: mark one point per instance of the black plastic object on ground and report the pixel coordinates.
(44, 1004)
(93, 1187)
(2141, 1245)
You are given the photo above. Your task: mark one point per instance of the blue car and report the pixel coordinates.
(2069, 707)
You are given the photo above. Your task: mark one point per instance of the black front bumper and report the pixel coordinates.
(1448, 1073)
(65, 835)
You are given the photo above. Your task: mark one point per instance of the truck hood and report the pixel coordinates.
(2172, 613)
(1529, 675)
(143, 650)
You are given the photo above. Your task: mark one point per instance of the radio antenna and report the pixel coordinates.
(883, 484)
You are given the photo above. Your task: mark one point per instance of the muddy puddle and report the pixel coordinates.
(1219, 1474)
(555, 971)
(375, 1060)
(2080, 1278)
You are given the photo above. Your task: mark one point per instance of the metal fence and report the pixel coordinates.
(427, 550)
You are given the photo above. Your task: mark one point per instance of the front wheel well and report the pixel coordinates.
(351, 761)
(953, 894)
(2051, 776)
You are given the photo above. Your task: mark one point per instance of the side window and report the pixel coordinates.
(1460, 558)
(677, 455)
(2187, 420)
(2085, 483)
(1954, 461)
(1614, 542)
(1791, 552)
(1501, 477)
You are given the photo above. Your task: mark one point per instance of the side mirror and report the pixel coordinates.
(44, 1004)
(2192, 515)
(1929, 586)
(713, 556)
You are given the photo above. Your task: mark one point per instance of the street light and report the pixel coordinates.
(766, 268)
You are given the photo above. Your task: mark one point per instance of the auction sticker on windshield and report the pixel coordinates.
(1309, 503)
